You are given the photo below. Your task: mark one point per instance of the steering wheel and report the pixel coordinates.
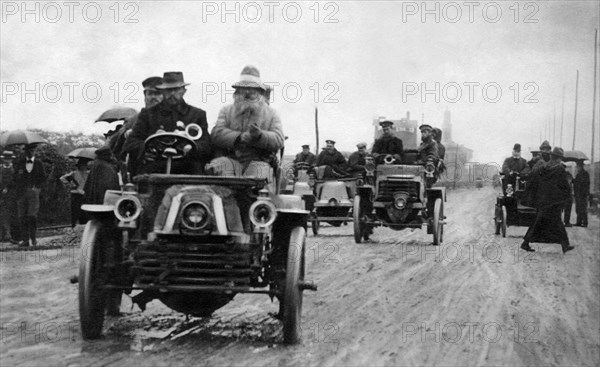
(168, 145)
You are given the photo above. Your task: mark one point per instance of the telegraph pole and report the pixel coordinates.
(562, 116)
(575, 115)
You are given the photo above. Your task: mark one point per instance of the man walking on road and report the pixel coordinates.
(553, 191)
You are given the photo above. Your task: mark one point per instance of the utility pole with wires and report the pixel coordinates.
(575, 115)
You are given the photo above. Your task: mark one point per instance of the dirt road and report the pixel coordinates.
(475, 300)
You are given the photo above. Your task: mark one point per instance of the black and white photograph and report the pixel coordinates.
(299, 183)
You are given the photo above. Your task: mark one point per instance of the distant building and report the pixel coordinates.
(458, 158)
(405, 128)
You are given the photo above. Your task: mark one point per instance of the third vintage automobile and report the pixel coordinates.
(395, 196)
(182, 239)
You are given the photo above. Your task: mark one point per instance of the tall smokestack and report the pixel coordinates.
(408, 115)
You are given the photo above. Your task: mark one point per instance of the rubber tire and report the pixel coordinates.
(315, 225)
(359, 228)
(503, 226)
(438, 228)
(92, 300)
(497, 219)
(292, 300)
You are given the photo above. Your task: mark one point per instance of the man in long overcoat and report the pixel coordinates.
(165, 116)
(305, 159)
(102, 176)
(581, 186)
(553, 191)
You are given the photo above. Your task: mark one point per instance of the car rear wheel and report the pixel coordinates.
(292, 301)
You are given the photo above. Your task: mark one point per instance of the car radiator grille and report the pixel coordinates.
(387, 189)
(178, 264)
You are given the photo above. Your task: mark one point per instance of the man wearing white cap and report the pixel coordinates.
(248, 132)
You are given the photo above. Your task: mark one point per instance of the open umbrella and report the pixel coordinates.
(117, 113)
(15, 137)
(574, 156)
(87, 153)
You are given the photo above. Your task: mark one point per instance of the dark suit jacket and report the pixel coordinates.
(163, 116)
(387, 145)
(24, 179)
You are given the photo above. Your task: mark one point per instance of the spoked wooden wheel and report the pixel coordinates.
(292, 301)
(438, 226)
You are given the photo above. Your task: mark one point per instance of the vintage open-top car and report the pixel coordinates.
(395, 196)
(182, 239)
(510, 209)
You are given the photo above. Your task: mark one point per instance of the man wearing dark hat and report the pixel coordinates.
(29, 178)
(581, 186)
(165, 116)
(248, 132)
(356, 161)
(388, 143)
(304, 160)
(514, 165)
(334, 161)
(536, 165)
(102, 176)
(428, 152)
(152, 97)
(553, 190)
(7, 196)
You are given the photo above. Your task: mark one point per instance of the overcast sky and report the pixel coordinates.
(353, 60)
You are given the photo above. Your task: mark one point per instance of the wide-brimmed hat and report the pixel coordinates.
(329, 141)
(152, 82)
(250, 78)
(558, 152)
(172, 79)
(386, 123)
(545, 145)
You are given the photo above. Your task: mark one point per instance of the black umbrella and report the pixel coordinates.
(116, 114)
(87, 153)
(16, 137)
(574, 156)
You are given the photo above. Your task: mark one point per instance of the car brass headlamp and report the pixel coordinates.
(262, 213)
(333, 202)
(195, 215)
(128, 208)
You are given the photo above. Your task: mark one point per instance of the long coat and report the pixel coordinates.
(333, 159)
(309, 158)
(387, 145)
(230, 126)
(581, 184)
(518, 165)
(164, 116)
(553, 191)
(24, 179)
(356, 162)
(428, 151)
(103, 176)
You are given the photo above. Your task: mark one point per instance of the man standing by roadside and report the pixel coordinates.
(29, 177)
(569, 201)
(165, 116)
(7, 196)
(581, 186)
